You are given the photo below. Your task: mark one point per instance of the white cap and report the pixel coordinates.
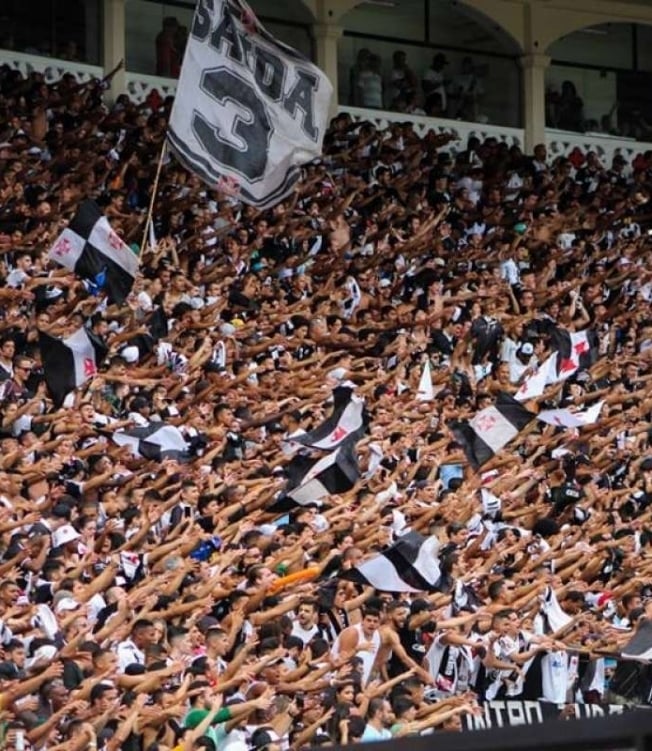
(66, 533)
(43, 655)
(527, 348)
(130, 354)
(228, 329)
(66, 603)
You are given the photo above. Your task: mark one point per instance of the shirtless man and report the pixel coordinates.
(392, 649)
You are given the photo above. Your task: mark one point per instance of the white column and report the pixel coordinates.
(114, 40)
(534, 99)
(326, 37)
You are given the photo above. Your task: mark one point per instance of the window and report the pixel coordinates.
(67, 29)
(148, 21)
(495, 94)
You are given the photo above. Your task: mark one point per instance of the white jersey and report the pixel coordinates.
(306, 635)
(505, 648)
(368, 656)
(554, 677)
(451, 666)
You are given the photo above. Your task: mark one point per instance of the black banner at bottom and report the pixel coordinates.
(512, 712)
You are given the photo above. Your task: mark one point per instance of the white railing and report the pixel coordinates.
(460, 129)
(51, 67)
(560, 143)
(140, 85)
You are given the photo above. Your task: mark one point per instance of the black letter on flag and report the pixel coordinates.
(301, 98)
(235, 43)
(201, 24)
(253, 129)
(270, 74)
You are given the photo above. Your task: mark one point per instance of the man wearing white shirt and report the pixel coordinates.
(305, 626)
(132, 650)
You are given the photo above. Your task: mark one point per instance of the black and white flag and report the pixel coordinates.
(411, 564)
(310, 480)
(156, 441)
(348, 421)
(70, 362)
(576, 350)
(639, 647)
(554, 617)
(157, 326)
(89, 247)
(248, 111)
(491, 429)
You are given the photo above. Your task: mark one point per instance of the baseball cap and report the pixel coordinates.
(66, 533)
(130, 354)
(65, 604)
(263, 737)
(527, 348)
(43, 655)
(207, 622)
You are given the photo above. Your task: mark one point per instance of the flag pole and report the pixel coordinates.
(152, 199)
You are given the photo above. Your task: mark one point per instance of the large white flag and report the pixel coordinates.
(564, 418)
(248, 110)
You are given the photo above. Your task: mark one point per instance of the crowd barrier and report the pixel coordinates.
(629, 731)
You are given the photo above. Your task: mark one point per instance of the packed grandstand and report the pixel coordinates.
(186, 564)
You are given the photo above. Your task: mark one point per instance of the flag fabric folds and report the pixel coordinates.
(156, 441)
(639, 647)
(576, 350)
(491, 429)
(411, 564)
(309, 479)
(464, 599)
(564, 418)
(157, 328)
(535, 385)
(554, 617)
(70, 362)
(89, 247)
(348, 421)
(248, 110)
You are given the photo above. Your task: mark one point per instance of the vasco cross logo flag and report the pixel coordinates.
(248, 110)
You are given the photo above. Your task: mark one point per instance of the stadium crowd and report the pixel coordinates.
(164, 604)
